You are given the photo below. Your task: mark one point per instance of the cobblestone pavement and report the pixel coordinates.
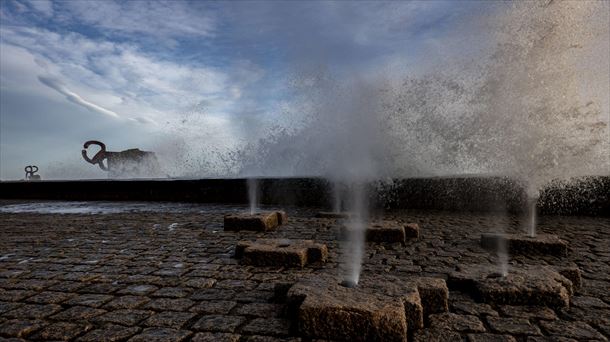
(170, 276)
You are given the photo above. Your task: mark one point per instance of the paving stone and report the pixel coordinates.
(172, 304)
(267, 326)
(161, 335)
(408, 269)
(33, 311)
(126, 302)
(524, 285)
(587, 302)
(214, 337)
(455, 322)
(470, 308)
(20, 328)
(262, 222)
(213, 294)
(490, 338)
(219, 323)
(78, 313)
(61, 331)
(100, 288)
(237, 285)
(436, 335)
(170, 272)
(333, 215)
(169, 319)
(127, 317)
(11, 339)
(67, 286)
(214, 307)
(12, 273)
(80, 276)
(545, 244)
(577, 330)
(139, 290)
(260, 338)
(172, 292)
(512, 326)
(110, 253)
(92, 300)
(14, 295)
(528, 312)
(254, 296)
(29, 284)
(280, 252)
(50, 297)
(549, 339)
(109, 333)
(142, 279)
(8, 306)
(259, 310)
(200, 282)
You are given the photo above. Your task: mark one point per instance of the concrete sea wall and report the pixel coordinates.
(583, 196)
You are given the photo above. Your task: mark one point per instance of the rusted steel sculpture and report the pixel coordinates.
(131, 162)
(30, 173)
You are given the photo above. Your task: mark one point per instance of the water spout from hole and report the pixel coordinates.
(253, 194)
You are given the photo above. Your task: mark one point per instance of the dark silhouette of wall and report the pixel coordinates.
(583, 196)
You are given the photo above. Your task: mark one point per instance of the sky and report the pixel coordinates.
(194, 81)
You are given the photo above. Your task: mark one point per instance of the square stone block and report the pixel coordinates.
(412, 230)
(522, 244)
(261, 222)
(525, 285)
(333, 214)
(282, 217)
(280, 252)
(572, 273)
(377, 309)
(434, 294)
(387, 231)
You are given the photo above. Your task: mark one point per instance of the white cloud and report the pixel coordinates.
(158, 18)
(121, 79)
(74, 97)
(42, 7)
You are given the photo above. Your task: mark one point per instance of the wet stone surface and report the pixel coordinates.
(172, 276)
(524, 285)
(375, 309)
(522, 244)
(261, 221)
(281, 252)
(333, 214)
(387, 231)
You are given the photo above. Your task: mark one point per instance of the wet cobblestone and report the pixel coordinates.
(129, 277)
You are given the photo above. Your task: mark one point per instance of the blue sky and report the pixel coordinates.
(196, 81)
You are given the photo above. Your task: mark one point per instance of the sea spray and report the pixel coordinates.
(253, 194)
(356, 227)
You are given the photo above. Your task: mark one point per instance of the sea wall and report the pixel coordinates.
(583, 196)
